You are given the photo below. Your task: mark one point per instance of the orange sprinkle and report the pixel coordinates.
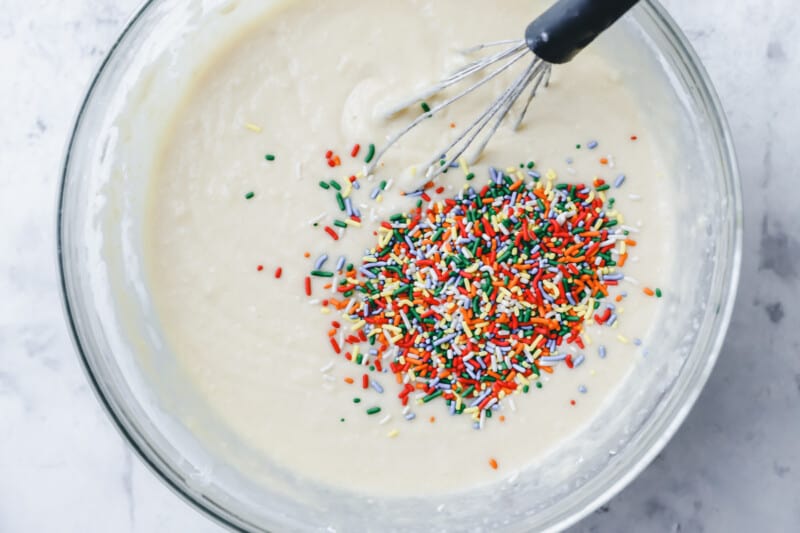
(433, 419)
(648, 291)
(493, 463)
(618, 298)
(603, 160)
(307, 255)
(452, 124)
(502, 418)
(349, 381)
(634, 137)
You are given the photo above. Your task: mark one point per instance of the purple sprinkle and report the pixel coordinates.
(637, 342)
(602, 352)
(410, 416)
(591, 145)
(619, 181)
(578, 361)
(320, 261)
(582, 389)
(376, 386)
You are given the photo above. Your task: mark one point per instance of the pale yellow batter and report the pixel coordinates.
(312, 76)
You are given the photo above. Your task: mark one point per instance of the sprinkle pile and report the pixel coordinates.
(469, 299)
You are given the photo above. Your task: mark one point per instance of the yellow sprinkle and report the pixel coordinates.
(393, 433)
(463, 164)
(358, 325)
(622, 339)
(551, 174)
(253, 127)
(324, 310)
(351, 222)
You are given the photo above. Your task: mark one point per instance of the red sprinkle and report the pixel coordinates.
(260, 268)
(278, 273)
(308, 286)
(355, 151)
(365, 381)
(329, 230)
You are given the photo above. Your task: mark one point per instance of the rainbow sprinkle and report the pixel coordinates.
(469, 299)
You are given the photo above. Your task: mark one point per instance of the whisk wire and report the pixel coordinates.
(500, 105)
(536, 73)
(391, 141)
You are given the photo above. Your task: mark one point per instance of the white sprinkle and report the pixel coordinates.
(326, 367)
(385, 419)
(317, 218)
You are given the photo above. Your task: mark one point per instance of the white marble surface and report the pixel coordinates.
(734, 465)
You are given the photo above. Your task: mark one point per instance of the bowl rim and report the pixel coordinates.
(177, 482)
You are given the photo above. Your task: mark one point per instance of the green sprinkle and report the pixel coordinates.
(470, 176)
(339, 224)
(356, 400)
(324, 185)
(538, 384)
(373, 410)
(269, 157)
(335, 185)
(322, 273)
(433, 396)
(603, 187)
(425, 107)
(250, 195)
(658, 293)
(370, 154)
(340, 201)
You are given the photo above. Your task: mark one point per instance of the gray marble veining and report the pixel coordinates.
(733, 466)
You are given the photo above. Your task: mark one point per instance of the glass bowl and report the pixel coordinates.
(101, 202)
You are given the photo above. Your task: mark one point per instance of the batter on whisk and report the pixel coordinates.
(348, 315)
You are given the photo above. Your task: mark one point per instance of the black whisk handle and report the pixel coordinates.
(570, 25)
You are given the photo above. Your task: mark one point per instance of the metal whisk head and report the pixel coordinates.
(554, 37)
(535, 74)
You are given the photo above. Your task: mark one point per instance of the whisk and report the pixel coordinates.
(555, 37)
